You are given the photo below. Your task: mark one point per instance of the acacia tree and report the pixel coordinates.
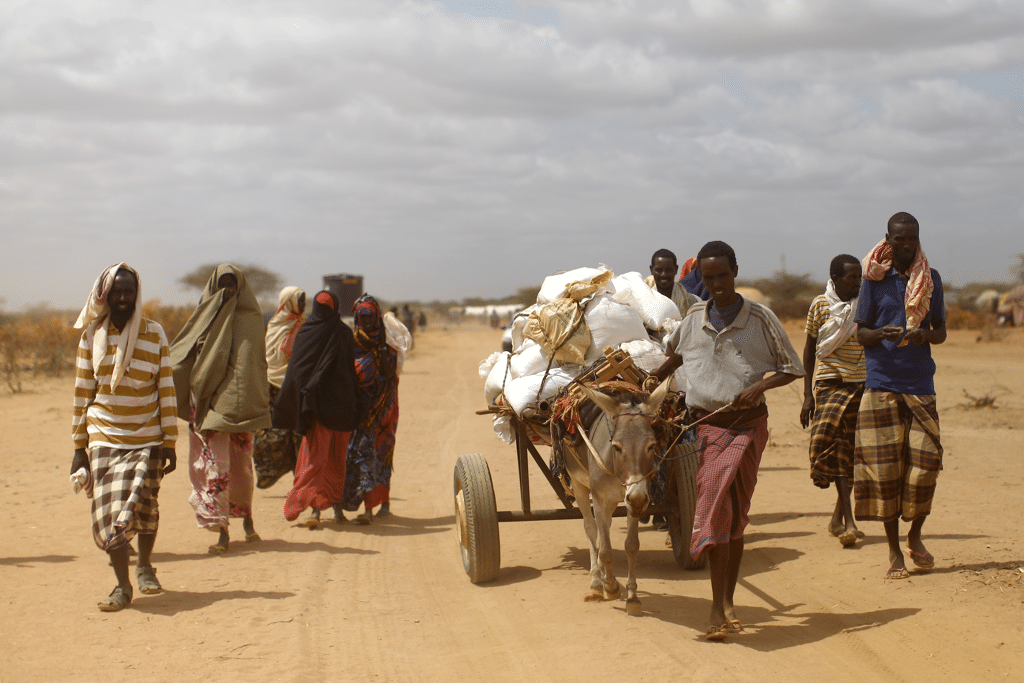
(262, 282)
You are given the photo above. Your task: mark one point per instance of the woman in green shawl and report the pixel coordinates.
(220, 374)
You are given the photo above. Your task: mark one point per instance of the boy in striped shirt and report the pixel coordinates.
(124, 425)
(832, 397)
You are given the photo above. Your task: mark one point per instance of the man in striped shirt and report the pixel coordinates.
(832, 397)
(124, 425)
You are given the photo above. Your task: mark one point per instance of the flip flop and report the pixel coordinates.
(734, 626)
(252, 538)
(312, 522)
(217, 549)
(116, 601)
(717, 633)
(895, 574)
(362, 519)
(147, 580)
(848, 538)
(836, 529)
(925, 561)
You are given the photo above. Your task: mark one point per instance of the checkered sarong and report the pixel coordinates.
(832, 429)
(727, 456)
(125, 488)
(898, 456)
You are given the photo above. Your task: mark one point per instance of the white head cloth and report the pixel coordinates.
(94, 318)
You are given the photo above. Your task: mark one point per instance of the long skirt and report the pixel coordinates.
(727, 457)
(125, 484)
(274, 451)
(897, 458)
(368, 478)
(833, 429)
(220, 468)
(319, 471)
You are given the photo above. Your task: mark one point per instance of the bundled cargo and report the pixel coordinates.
(578, 314)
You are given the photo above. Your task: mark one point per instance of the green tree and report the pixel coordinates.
(262, 282)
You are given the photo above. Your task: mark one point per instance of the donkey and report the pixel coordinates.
(615, 464)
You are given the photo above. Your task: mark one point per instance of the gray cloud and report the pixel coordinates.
(450, 150)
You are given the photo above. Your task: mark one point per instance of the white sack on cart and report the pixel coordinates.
(518, 325)
(554, 285)
(646, 354)
(521, 393)
(503, 427)
(529, 360)
(611, 324)
(496, 378)
(397, 337)
(485, 367)
(653, 307)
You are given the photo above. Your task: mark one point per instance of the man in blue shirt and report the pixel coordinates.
(898, 455)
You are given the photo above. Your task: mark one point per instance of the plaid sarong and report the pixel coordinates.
(832, 429)
(726, 456)
(897, 458)
(125, 488)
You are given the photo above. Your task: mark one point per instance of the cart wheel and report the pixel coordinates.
(476, 516)
(680, 527)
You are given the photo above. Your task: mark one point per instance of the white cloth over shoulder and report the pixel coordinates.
(397, 337)
(840, 325)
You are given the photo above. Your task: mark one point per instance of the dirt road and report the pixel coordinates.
(391, 602)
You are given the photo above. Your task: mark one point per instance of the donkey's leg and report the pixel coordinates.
(632, 550)
(603, 515)
(582, 495)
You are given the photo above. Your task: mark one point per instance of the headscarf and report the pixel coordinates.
(839, 326)
(321, 378)
(227, 377)
(94, 317)
(281, 332)
(374, 347)
(919, 285)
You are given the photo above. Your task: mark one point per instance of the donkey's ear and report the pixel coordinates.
(654, 401)
(603, 401)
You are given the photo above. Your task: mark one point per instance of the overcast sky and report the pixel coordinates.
(469, 148)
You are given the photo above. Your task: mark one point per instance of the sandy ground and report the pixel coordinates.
(391, 602)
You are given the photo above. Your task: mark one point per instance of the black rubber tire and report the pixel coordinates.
(476, 518)
(680, 527)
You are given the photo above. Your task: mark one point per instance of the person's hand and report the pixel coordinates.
(748, 397)
(80, 460)
(916, 336)
(170, 460)
(807, 411)
(891, 332)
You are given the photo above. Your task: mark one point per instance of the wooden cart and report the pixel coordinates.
(477, 515)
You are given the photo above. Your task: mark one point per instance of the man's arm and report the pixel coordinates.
(936, 335)
(752, 394)
(869, 338)
(807, 410)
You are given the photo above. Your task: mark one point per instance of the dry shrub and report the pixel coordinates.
(963, 319)
(12, 344)
(44, 343)
(171, 318)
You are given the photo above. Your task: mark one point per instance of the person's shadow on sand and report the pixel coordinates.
(170, 603)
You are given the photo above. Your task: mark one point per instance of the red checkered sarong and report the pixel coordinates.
(125, 488)
(727, 457)
(898, 456)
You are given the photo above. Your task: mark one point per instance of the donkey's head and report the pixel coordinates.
(633, 450)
